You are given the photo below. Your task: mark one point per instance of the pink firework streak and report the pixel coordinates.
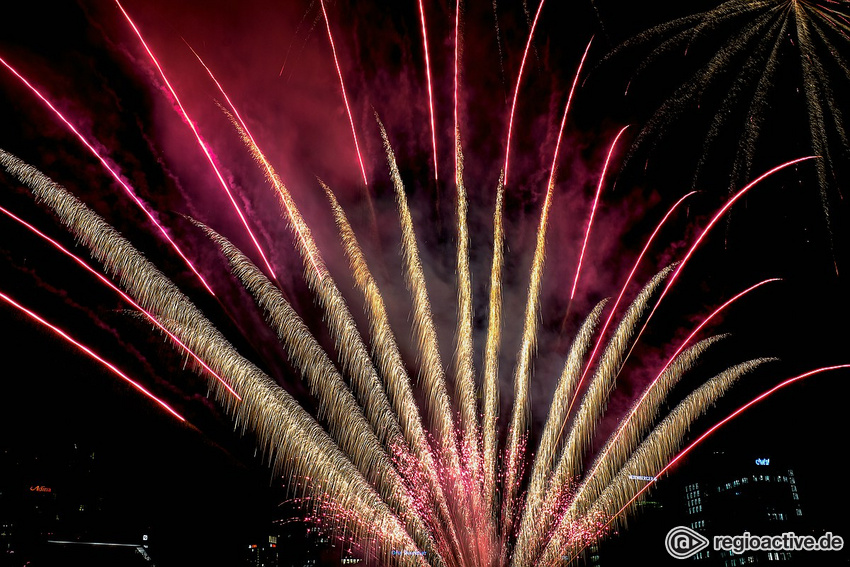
(80, 346)
(430, 91)
(563, 123)
(714, 428)
(516, 90)
(457, 78)
(705, 231)
(613, 310)
(262, 157)
(593, 211)
(344, 95)
(115, 175)
(123, 295)
(201, 144)
(685, 343)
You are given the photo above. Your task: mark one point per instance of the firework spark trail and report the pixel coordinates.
(295, 443)
(501, 53)
(546, 452)
(522, 374)
(761, 32)
(302, 231)
(391, 366)
(345, 417)
(553, 169)
(613, 311)
(297, 223)
(620, 446)
(344, 95)
(696, 86)
(834, 110)
(430, 91)
(681, 454)
(464, 357)
(113, 172)
(465, 353)
(755, 114)
(593, 212)
(491, 350)
(516, 90)
(201, 144)
(731, 201)
(90, 353)
(384, 346)
(105, 281)
(817, 127)
(456, 78)
(354, 356)
(433, 375)
(595, 398)
(432, 372)
(652, 454)
(689, 36)
(464, 364)
(653, 395)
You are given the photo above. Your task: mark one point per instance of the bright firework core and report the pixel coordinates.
(423, 442)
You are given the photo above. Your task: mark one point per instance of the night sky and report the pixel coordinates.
(201, 485)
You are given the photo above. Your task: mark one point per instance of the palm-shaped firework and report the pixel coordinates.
(412, 471)
(747, 49)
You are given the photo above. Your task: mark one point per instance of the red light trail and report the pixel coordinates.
(83, 348)
(201, 143)
(115, 175)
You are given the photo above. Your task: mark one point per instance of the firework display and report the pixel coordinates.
(415, 462)
(764, 42)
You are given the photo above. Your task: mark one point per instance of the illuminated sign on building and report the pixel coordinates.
(763, 462)
(641, 477)
(40, 488)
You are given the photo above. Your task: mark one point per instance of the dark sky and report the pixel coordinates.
(275, 62)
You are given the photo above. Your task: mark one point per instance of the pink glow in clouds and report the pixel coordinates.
(113, 172)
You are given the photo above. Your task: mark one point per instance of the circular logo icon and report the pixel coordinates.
(683, 542)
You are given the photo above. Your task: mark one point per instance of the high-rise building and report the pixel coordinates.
(750, 493)
(719, 494)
